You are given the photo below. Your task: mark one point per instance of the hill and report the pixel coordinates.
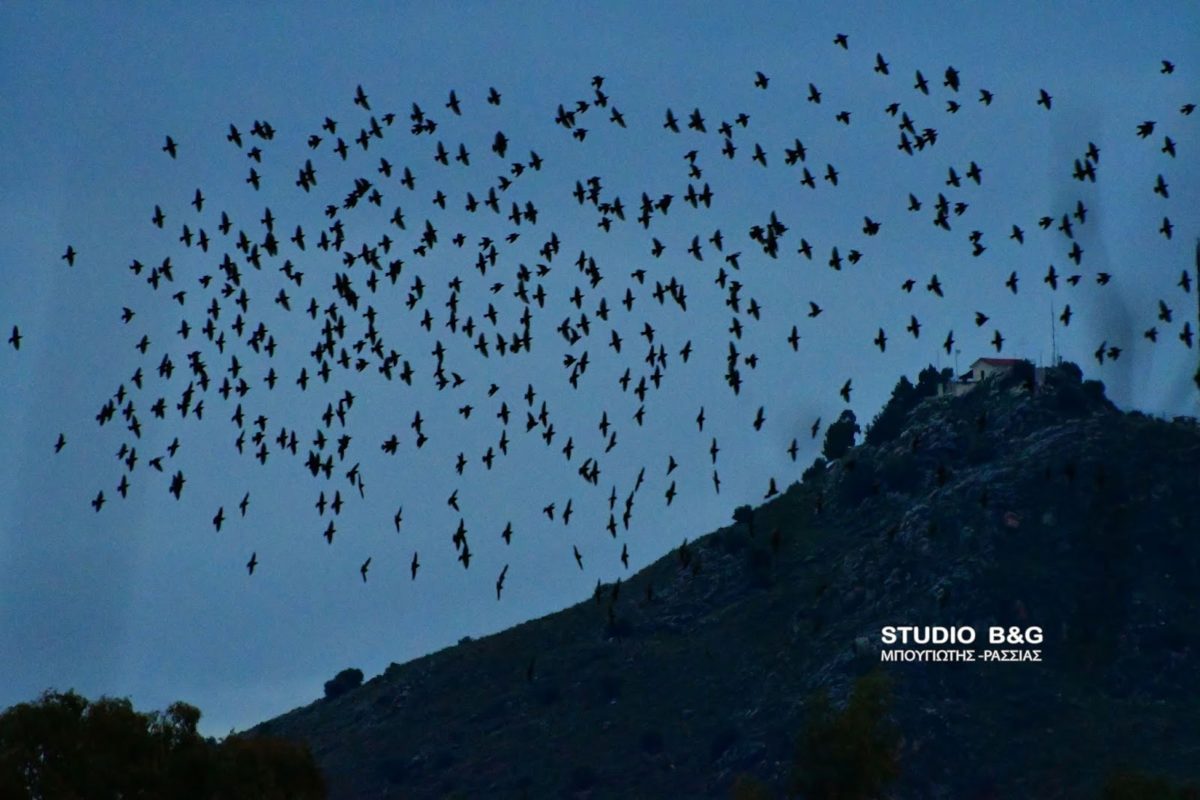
(1011, 505)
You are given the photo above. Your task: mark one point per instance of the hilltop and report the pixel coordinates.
(1010, 505)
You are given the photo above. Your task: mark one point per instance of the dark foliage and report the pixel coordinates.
(839, 436)
(1139, 786)
(1051, 509)
(744, 515)
(890, 420)
(849, 754)
(815, 471)
(343, 682)
(65, 746)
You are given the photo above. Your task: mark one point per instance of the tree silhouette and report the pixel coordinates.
(343, 682)
(839, 436)
(849, 754)
(62, 745)
(744, 515)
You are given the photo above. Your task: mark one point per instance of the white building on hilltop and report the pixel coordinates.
(981, 369)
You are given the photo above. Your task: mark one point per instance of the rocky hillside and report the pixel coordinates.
(1006, 506)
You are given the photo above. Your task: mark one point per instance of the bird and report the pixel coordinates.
(363, 569)
(360, 99)
(500, 581)
(15, 338)
(170, 147)
(252, 563)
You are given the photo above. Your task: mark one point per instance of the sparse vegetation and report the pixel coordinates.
(994, 504)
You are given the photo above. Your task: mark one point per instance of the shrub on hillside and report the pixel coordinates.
(815, 471)
(343, 682)
(849, 754)
(889, 422)
(1139, 786)
(839, 436)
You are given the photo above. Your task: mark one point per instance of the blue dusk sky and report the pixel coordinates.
(146, 598)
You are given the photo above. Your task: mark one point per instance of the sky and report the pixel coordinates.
(146, 599)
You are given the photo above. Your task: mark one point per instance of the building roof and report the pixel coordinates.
(997, 362)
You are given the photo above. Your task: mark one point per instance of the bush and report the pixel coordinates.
(63, 745)
(744, 515)
(747, 787)
(1094, 391)
(1138, 786)
(343, 682)
(849, 754)
(889, 422)
(839, 436)
(816, 471)
(1021, 374)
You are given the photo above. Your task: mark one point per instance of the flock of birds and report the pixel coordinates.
(348, 279)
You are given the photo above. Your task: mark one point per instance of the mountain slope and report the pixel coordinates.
(1001, 507)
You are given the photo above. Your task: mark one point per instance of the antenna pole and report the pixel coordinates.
(1053, 337)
